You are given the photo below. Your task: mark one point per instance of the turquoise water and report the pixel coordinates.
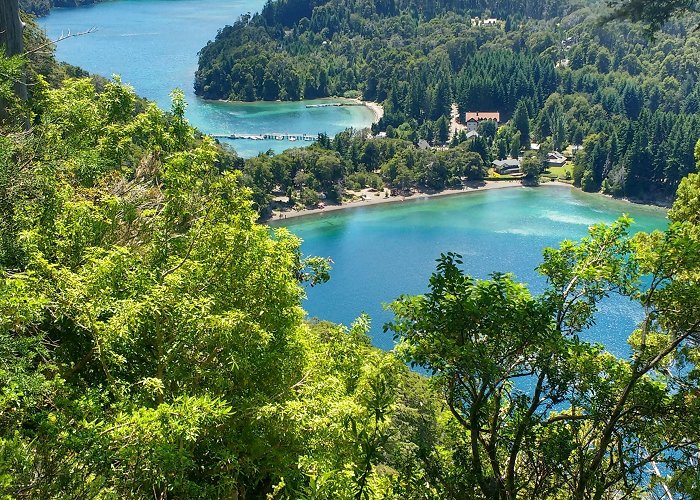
(153, 45)
(382, 251)
(379, 252)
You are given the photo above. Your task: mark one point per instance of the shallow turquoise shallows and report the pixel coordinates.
(382, 251)
(153, 45)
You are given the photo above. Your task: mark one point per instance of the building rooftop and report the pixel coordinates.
(482, 115)
(510, 162)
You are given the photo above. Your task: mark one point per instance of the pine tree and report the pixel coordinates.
(515, 145)
(521, 122)
(443, 99)
(443, 130)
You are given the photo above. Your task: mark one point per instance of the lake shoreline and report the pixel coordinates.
(372, 199)
(375, 107)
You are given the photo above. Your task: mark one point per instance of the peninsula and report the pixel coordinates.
(532, 90)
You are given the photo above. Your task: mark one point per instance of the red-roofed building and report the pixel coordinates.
(472, 118)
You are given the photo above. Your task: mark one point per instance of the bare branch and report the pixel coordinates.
(64, 36)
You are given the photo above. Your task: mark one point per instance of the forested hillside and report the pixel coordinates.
(630, 101)
(43, 7)
(153, 343)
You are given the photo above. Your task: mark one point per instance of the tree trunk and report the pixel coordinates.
(11, 28)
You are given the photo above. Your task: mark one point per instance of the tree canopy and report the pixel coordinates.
(543, 414)
(628, 104)
(43, 7)
(153, 343)
(653, 13)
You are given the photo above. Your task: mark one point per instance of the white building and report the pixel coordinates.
(473, 118)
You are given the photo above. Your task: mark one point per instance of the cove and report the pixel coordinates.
(382, 251)
(153, 45)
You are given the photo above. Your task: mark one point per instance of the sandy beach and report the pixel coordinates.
(376, 108)
(371, 198)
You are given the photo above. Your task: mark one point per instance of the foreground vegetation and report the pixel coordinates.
(152, 341)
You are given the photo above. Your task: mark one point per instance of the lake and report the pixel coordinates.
(382, 251)
(379, 252)
(153, 45)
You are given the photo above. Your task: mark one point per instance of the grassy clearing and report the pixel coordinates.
(561, 172)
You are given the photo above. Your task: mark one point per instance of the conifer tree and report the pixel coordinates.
(521, 122)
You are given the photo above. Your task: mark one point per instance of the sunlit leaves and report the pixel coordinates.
(149, 308)
(542, 411)
(580, 275)
(687, 207)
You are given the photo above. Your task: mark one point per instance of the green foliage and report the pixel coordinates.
(309, 197)
(42, 7)
(351, 161)
(152, 341)
(116, 306)
(11, 69)
(531, 165)
(533, 400)
(569, 77)
(653, 13)
(361, 414)
(687, 206)
(521, 122)
(330, 48)
(178, 107)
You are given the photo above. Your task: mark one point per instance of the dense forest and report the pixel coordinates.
(153, 344)
(351, 161)
(631, 102)
(43, 7)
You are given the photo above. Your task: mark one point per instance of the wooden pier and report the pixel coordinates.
(268, 137)
(333, 104)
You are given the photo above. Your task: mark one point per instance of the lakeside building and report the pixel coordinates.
(473, 118)
(492, 21)
(509, 166)
(555, 159)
